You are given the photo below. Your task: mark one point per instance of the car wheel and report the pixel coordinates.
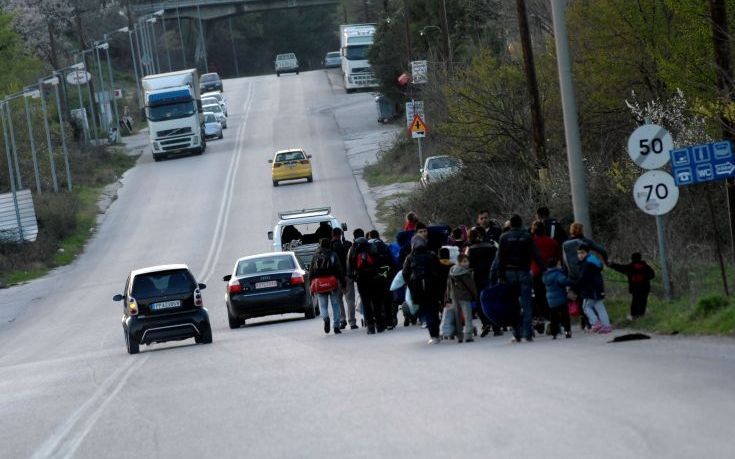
(234, 322)
(221, 136)
(157, 158)
(297, 72)
(278, 74)
(310, 179)
(206, 335)
(133, 348)
(275, 182)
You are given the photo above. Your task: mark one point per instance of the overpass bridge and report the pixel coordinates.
(207, 10)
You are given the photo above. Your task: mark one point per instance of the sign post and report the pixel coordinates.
(655, 192)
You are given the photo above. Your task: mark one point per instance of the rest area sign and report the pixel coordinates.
(703, 163)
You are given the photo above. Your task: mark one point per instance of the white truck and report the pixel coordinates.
(173, 108)
(356, 40)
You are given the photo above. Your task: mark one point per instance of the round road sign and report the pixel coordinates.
(649, 146)
(655, 192)
(78, 77)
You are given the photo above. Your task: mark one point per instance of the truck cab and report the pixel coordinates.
(174, 113)
(356, 40)
(299, 231)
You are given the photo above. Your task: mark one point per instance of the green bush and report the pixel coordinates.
(709, 305)
(56, 214)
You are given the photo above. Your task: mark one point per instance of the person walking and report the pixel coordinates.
(554, 229)
(421, 273)
(410, 222)
(571, 261)
(592, 290)
(556, 283)
(481, 254)
(491, 230)
(385, 271)
(639, 275)
(462, 292)
(547, 249)
(328, 283)
(515, 254)
(351, 277)
(341, 247)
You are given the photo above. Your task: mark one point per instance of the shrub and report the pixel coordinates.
(709, 305)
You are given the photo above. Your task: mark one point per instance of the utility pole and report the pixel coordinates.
(165, 43)
(201, 38)
(12, 181)
(537, 120)
(721, 41)
(101, 92)
(52, 164)
(63, 135)
(8, 110)
(36, 172)
(181, 37)
(571, 126)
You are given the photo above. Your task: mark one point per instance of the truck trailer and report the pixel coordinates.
(173, 108)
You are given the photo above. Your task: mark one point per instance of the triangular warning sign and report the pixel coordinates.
(417, 125)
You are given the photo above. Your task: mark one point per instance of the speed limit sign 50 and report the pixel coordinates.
(655, 192)
(649, 146)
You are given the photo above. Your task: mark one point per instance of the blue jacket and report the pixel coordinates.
(556, 282)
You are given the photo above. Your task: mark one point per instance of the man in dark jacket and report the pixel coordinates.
(482, 254)
(515, 254)
(421, 273)
(326, 265)
(341, 247)
(639, 283)
(491, 230)
(553, 228)
(386, 270)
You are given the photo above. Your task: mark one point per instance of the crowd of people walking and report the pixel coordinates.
(529, 280)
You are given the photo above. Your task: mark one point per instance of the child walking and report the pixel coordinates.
(592, 290)
(462, 291)
(556, 283)
(639, 283)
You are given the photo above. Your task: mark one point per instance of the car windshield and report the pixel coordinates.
(333, 54)
(209, 118)
(357, 53)
(209, 77)
(290, 156)
(162, 283)
(283, 57)
(214, 108)
(265, 265)
(442, 163)
(170, 111)
(209, 101)
(212, 95)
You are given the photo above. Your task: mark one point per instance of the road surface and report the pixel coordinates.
(280, 387)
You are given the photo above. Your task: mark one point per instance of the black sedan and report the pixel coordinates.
(163, 303)
(267, 284)
(210, 82)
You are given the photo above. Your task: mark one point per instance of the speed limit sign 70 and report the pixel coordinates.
(649, 146)
(655, 192)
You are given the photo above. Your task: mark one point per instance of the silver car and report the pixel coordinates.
(221, 100)
(218, 113)
(332, 59)
(438, 168)
(212, 127)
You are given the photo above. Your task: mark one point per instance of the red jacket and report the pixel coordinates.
(547, 248)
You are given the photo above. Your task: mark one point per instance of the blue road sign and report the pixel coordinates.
(703, 163)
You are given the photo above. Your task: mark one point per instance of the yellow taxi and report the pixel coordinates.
(291, 164)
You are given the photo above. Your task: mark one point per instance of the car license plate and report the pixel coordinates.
(291, 165)
(269, 284)
(165, 305)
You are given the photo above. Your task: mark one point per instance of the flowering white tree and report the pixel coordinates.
(675, 114)
(40, 23)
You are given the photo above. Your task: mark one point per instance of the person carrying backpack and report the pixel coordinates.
(385, 271)
(328, 283)
(341, 247)
(553, 228)
(639, 275)
(364, 268)
(462, 292)
(421, 273)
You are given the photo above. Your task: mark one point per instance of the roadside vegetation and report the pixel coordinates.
(631, 60)
(397, 164)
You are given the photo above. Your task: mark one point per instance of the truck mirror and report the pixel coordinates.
(270, 235)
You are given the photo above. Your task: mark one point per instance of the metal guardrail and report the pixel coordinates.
(255, 5)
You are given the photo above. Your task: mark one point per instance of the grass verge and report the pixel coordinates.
(395, 165)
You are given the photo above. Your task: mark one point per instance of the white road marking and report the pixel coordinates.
(90, 411)
(60, 444)
(215, 247)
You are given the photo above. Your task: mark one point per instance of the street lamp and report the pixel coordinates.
(135, 65)
(92, 111)
(152, 21)
(101, 91)
(26, 95)
(50, 147)
(159, 14)
(106, 47)
(54, 81)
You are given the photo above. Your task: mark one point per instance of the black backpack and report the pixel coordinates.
(423, 276)
(555, 231)
(323, 262)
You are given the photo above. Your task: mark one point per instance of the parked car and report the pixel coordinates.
(267, 284)
(212, 127)
(290, 164)
(163, 303)
(220, 99)
(218, 113)
(286, 63)
(210, 82)
(333, 59)
(438, 168)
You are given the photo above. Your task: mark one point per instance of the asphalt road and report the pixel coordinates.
(281, 388)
